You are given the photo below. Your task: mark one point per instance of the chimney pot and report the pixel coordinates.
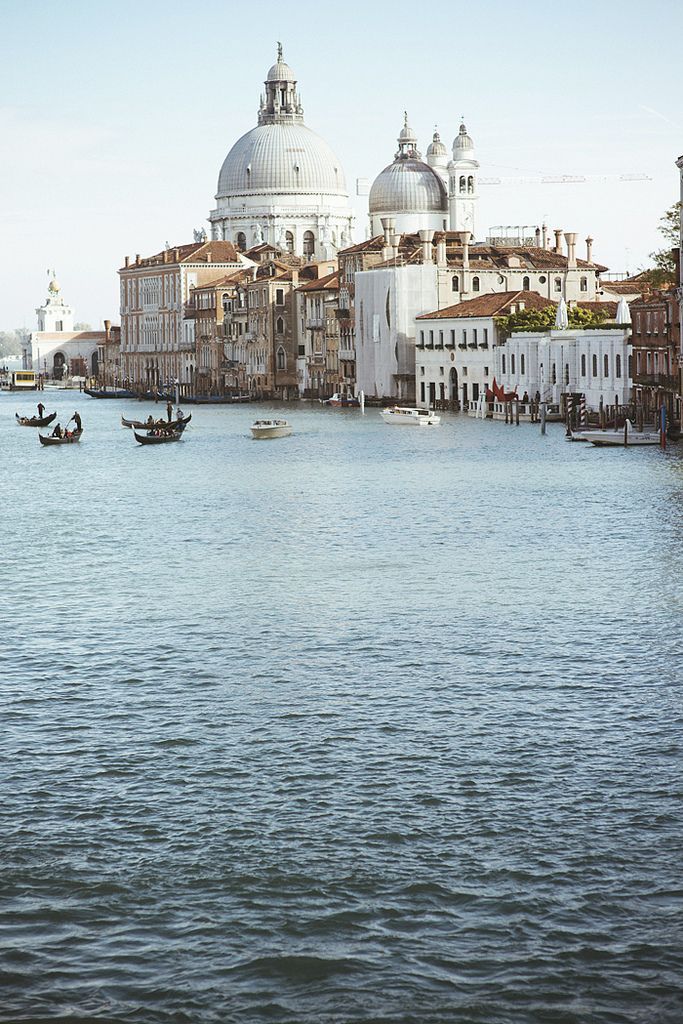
(558, 241)
(137, 257)
(127, 261)
(589, 249)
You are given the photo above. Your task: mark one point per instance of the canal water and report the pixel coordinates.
(368, 724)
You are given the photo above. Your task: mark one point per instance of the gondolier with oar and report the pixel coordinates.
(77, 420)
(41, 410)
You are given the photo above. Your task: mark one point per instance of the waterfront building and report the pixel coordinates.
(456, 347)
(57, 350)
(679, 263)
(157, 339)
(217, 335)
(281, 183)
(656, 347)
(318, 365)
(453, 270)
(109, 371)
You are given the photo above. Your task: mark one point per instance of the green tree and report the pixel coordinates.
(543, 319)
(11, 341)
(663, 274)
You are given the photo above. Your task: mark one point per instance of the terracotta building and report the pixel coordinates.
(655, 357)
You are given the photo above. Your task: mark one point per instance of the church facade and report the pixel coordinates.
(56, 350)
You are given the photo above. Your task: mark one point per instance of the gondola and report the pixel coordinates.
(71, 438)
(109, 393)
(173, 435)
(163, 424)
(35, 421)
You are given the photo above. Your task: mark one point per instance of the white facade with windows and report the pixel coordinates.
(281, 183)
(454, 360)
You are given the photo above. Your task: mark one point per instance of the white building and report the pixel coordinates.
(281, 183)
(56, 350)
(387, 300)
(460, 351)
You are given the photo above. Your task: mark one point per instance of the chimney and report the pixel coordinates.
(544, 235)
(394, 242)
(209, 258)
(465, 239)
(558, 240)
(388, 225)
(137, 258)
(570, 238)
(127, 263)
(441, 257)
(176, 255)
(295, 278)
(589, 249)
(107, 329)
(426, 235)
(538, 238)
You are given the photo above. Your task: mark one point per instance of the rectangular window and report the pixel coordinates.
(441, 370)
(474, 335)
(422, 391)
(453, 337)
(441, 338)
(279, 297)
(431, 337)
(422, 371)
(464, 336)
(422, 337)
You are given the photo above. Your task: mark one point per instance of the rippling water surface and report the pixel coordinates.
(363, 725)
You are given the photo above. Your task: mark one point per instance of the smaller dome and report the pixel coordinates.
(281, 72)
(436, 146)
(406, 136)
(53, 286)
(462, 140)
(407, 186)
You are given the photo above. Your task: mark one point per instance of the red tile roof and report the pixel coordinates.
(214, 251)
(493, 304)
(329, 283)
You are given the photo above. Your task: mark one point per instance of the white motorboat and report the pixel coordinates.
(262, 429)
(624, 437)
(402, 415)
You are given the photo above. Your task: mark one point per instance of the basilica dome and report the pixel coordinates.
(407, 185)
(280, 158)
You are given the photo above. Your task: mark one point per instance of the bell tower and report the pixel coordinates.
(462, 184)
(54, 315)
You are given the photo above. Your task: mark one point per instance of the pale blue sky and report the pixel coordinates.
(116, 117)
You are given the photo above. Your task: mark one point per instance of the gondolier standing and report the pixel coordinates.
(169, 410)
(77, 420)
(41, 409)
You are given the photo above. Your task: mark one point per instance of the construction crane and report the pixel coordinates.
(565, 179)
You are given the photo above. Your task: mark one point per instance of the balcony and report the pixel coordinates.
(314, 323)
(347, 353)
(663, 381)
(342, 313)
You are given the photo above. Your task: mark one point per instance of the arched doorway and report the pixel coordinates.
(94, 364)
(59, 366)
(453, 384)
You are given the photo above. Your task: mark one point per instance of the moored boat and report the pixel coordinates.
(35, 421)
(70, 437)
(405, 416)
(109, 393)
(339, 401)
(624, 437)
(263, 429)
(178, 424)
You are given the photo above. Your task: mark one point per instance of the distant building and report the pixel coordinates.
(157, 338)
(56, 350)
(656, 348)
(318, 367)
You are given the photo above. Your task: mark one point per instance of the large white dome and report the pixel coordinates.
(280, 158)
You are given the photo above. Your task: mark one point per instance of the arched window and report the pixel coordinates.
(595, 366)
(630, 365)
(503, 362)
(455, 283)
(583, 365)
(463, 183)
(618, 366)
(558, 284)
(475, 284)
(281, 359)
(566, 373)
(606, 365)
(309, 243)
(512, 362)
(241, 240)
(554, 373)
(526, 284)
(279, 326)
(470, 183)
(584, 284)
(521, 362)
(289, 238)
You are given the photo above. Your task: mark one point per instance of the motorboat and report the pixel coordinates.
(403, 415)
(624, 437)
(262, 429)
(342, 401)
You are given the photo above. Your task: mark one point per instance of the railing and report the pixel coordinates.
(658, 380)
(314, 323)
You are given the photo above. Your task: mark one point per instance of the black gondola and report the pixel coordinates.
(35, 421)
(159, 438)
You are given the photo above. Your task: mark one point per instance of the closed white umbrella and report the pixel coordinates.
(623, 312)
(561, 317)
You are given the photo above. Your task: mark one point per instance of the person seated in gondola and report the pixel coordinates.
(150, 422)
(179, 413)
(57, 432)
